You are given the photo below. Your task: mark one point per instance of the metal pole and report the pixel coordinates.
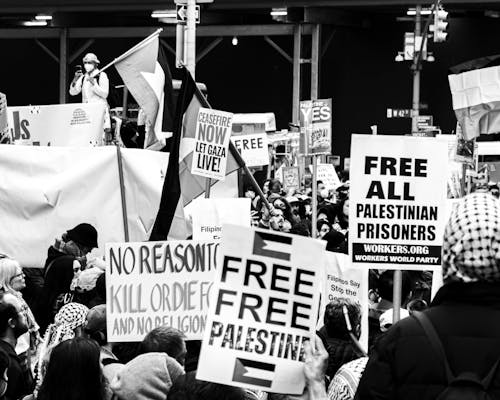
(316, 37)
(297, 45)
(314, 219)
(416, 72)
(180, 59)
(122, 193)
(190, 37)
(63, 65)
(396, 295)
(125, 102)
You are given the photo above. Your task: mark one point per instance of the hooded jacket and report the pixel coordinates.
(403, 364)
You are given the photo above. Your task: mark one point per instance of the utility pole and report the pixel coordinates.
(416, 68)
(190, 37)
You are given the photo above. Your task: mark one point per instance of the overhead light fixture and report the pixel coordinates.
(164, 14)
(279, 12)
(35, 23)
(430, 57)
(400, 57)
(43, 17)
(235, 41)
(413, 11)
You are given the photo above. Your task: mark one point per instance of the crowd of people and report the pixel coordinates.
(53, 340)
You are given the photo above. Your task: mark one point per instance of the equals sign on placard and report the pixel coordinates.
(272, 245)
(253, 372)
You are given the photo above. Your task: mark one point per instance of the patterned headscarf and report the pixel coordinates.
(471, 249)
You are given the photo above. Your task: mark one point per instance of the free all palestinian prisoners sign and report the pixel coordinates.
(213, 132)
(397, 207)
(152, 284)
(263, 310)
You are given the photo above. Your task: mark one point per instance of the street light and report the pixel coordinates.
(235, 41)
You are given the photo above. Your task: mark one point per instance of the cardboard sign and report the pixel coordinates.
(316, 126)
(328, 175)
(264, 308)
(291, 178)
(213, 131)
(209, 215)
(342, 281)
(57, 125)
(397, 209)
(253, 148)
(154, 284)
(56, 188)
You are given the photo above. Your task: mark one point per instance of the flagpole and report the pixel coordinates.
(208, 184)
(132, 50)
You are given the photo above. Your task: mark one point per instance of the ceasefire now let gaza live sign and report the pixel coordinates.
(263, 310)
(397, 209)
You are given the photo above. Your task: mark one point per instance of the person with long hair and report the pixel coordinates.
(74, 372)
(12, 281)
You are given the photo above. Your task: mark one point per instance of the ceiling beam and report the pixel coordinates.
(142, 32)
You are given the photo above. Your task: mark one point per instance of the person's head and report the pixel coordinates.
(250, 193)
(385, 286)
(471, 247)
(13, 322)
(275, 186)
(11, 275)
(165, 339)
(95, 325)
(294, 204)
(90, 62)
(4, 369)
(277, 220)
(73, 372)
(84, 236)
(320, 186)
(187, 387)
(334, 240)
(323, 227)
(323, 215)
(68, 323)
(147, 377)
(265, 186)
(335, 322)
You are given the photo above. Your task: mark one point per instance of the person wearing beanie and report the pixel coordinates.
(147, 377)
(409, 362)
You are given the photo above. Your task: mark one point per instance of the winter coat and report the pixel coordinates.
(403, 364)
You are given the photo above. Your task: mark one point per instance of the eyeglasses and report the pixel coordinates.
(17, 276)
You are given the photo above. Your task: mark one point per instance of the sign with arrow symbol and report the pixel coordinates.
(182, 13)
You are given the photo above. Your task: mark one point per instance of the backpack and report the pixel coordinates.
(464, 386)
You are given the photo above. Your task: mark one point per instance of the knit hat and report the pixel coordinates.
(147, 377)
(471, 248)
(96, 319)
(84, 234)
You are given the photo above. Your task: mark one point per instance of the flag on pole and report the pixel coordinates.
(147, 76)
(181, 187)
(475, 90)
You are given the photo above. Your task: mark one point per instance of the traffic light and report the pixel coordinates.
(440, 25)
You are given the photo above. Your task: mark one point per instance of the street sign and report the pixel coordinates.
(398, 113)
(424, 122)
(182, 13)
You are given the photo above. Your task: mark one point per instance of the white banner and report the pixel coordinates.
(264, 308)
(253, 148)
(44, 191)
(397, 208)
(209, 215)
(154, 284)
(213, 131)
(57, 125)
(342, 281)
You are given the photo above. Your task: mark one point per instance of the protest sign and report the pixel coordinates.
(316, 126)
(253, 148)
(328, 175)
(264, 308)
(213, 131)
(56, 188)
(209, 215)
(152, 284)
(58, 125)
(291, 178)
(343, 281)
(397, 198)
